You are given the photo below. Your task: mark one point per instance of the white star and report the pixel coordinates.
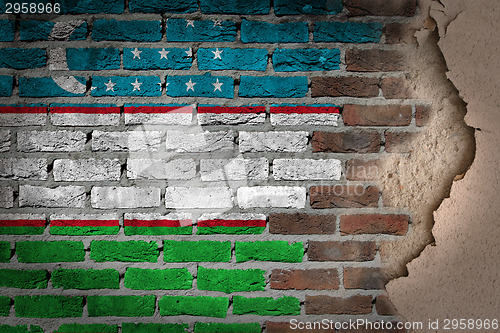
(93, 88)
(136, 53)
(137, 85)
(189, 23)
(217, 23)
(110, 86)
(217, 54)
(163, 54)
(190, 85)
(217, 85)
(189, 52)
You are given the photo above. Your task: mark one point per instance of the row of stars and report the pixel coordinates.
(164, 54)
(110, 86)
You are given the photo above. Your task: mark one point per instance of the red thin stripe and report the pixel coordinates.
(157, 223)
(232, 223)
(85, 109)
(22, 223)
(23, 109)
(231, 109)
(84, 223)
(304, 109)
(159, 109)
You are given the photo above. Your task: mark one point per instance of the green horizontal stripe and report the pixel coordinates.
(158, 230)
(229, 230)
(21, 230)
(84, 231)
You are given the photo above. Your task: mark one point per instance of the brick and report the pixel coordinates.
(84, 224)
(83, 59)
(377, 115)
(278, 142)
(373, 60)
(126, 141)
(7, 30)
(5, 252)
(363, 170)
(24, 279)
(23, 168)
(149, 58)
(158, 114)
(226, 58)
(6, 197)
(58, 197)
(147, 328)
(158, 279)
(234, 169)
(380, 7)
(146, 86)
(230, 280)
(200, 142)
(271, 196)
(397, 33)
(205, 306)
(200, 86)
(51, 141)
(347, 32)
(241, 7)
(182, 30)
(5, 306)
(391, 224)
(273, 86)
(263, 32)
(86, 170)
(19, 58)
(121, 306)
(48, 306)
(84, 114)
(222, 327)
(22, 224)
(72, 328)
(341, 251)
(343, 196)
(198, 197)
(384, 306)
(422, 115)
(74, 86)
(396, 88)
(161, 7)
(6, 85)
(32, 30)
(54, 251)
(310, 7)
(128, 251)
(346, 142)
(266, 306)
(157, 224)
(85, 279)
(105, 6)
(231, 224)
(316, 279)
(20, 329)
(363, 278)
(301, 224)
(400, 142)
(4, 138)
(129, 31)
(354, 305)
(179, 169)
(279, 251)
(300, 60)
(287, 327)
(344, 86)
(196, 251)
(306, 169)
(302, 114)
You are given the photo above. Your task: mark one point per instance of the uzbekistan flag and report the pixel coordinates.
(22, 224)
(231, 115)
(158, 114)
(156, 224)
(84, 225)
(293, 115)
(84, 114)
(231, 224)
(23, 115)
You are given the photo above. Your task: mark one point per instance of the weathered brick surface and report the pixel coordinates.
(124, 197)
(86, 170)
(353, 305)
(363, 169)
(299, 223)
(58, 197)
(272, 141)
(374, 60)
(384, 306)
(380, 7)
(321, 279)
(271, 196)
(346, 142)
(345, 86)
(160, 169)
(422, 115)
(400, 142)
(198, 197)
(24, 168)
(379, 115)
(45, 141)
(374, 224)
(341, 251)
(306, 169)
(363, 278)
(396, 88)
(234, 169)
(343, 196)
